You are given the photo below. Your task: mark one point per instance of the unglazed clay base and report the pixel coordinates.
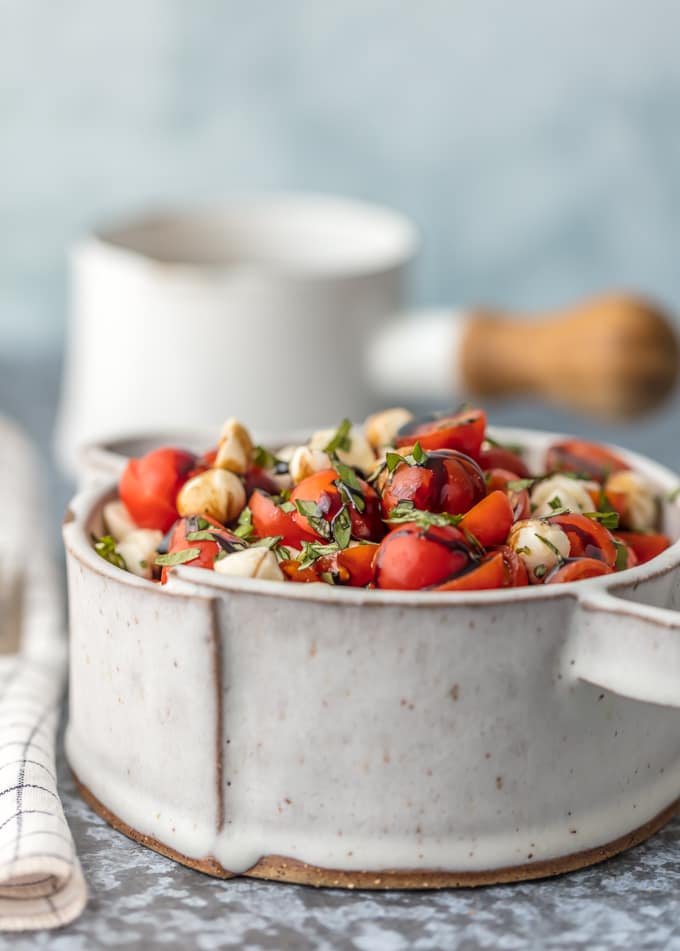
(281, 869)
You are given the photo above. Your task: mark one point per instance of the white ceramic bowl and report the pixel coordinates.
(377, 738)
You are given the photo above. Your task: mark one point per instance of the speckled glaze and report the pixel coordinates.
(365, 731)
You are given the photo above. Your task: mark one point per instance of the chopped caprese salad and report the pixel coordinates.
(400, 503)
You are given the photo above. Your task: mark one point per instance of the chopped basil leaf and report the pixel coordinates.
(342, 527)
(608, 519)
(287, 507)
(202, 523)
(106, 549)
(540, 570)
(419, 454)
(555, 503)
(392, 460)
(178, 557)
(314, 516)
(349, 485)
(328, 577)
(311, 551)
(523, 550)
(621, 556)
(341, 438)
(201, 536)
(269, 541)
(549, 544)
(405, 511)
(221, 554)
(245, 529)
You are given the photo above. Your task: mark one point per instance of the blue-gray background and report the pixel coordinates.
(536, 144)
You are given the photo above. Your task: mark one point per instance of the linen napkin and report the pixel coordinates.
(41, 882)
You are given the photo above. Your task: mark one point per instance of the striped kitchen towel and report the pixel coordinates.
(41, 882)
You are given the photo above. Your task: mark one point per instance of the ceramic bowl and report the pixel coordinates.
(376, 738)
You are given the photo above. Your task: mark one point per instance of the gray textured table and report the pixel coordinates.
(141, 900)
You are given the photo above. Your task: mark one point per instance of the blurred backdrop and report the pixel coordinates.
(536, 145)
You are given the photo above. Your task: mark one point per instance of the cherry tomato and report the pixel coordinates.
(645, 547)
(149, 486)
(411, 558)
(587, 537)
(577, 455)
(351, 566)
(270, 519)
(447, 481)
(463, 431)
(515, 570)
(323, 490)
(490, 520)
(224, 540)
(519, 498)
(498, 457)
(577, 569)
(489, 573)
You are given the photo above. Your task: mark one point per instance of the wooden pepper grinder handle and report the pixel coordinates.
(614, 356)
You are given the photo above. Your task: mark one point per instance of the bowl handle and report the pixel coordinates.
(625, 647)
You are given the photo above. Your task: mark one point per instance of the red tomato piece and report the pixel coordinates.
(270, 519)
(323, 490)
(498, 457)
(148, 486)
(447, 481)
(515, 570)
(411, 558)
(587, 537)
(645, 547)
(490, 520)
(463, 431)
(519, 498)
(577, 569)
(577, 455)
(490, 573)
(224, 540)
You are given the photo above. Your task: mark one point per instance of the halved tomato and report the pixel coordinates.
(490, 520)
(587, 537)
(519, 498)
(446, 481)
(411, 557)
(489, 573)
(149, 486)
(462, 430)
(645, 547)
(577, 569)
(269, 519)
(322, 491)
(588, 458)
(351, 566)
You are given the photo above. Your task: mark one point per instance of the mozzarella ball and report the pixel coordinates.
(540, 545)
(138, 550)
(305, 462)
(250, 563)
(640, 507)
(235, 448)
(359, 455)
(563, 492)
(217, 493)
(118, 521)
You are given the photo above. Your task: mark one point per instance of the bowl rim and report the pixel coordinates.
(199, 582)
